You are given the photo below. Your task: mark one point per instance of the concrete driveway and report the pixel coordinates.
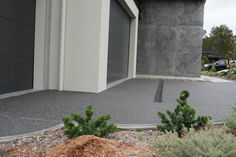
(132, 102)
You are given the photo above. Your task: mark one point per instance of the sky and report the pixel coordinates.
(219, 12)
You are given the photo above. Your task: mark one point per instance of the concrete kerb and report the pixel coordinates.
(159, 77)
(214, 79)
(203, 78)
(8, 139)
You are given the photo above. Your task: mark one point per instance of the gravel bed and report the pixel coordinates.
(139, 138)
(37, 144)
(29, 146)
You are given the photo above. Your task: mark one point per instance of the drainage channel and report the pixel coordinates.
(159, 91)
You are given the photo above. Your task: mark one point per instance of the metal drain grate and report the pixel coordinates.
(158, 95)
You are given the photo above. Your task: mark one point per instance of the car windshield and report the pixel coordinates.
(221, 62)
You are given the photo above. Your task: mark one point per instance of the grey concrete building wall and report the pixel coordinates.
(170, 37)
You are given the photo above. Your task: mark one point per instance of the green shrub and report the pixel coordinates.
(213, 68)
(224, 73)
(233, 77)
(204, 61)
(210, 73)
(87, 126)
(231, 74)
(140, 137)
(205, 143)
(183, 116)
(230, 121)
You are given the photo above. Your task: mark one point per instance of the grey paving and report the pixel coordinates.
(131, 102)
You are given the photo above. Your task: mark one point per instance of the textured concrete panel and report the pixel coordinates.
(189, 39)
(162, 54)
(166, 15)
(170, 37)
(145, 45)
(147, 15)
(188, 54)
(190, 13)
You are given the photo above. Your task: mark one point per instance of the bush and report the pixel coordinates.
(210, 73)
(205, 143)
(230, 121)
(213, 68)
(224, 73)
(233, 77)
(87, 126)
(183, 116)
(204, 61)
(231, 74)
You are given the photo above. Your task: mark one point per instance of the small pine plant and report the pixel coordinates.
(230, 121)
(213, 68)
(183, 116)
(88, 126)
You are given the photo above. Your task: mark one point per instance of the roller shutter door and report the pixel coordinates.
(119, 36)
(17, 27)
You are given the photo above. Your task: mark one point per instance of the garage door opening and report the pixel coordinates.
(119, 37)
(17, 27)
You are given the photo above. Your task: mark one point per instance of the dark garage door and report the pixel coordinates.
(17, 20)
(119, 36)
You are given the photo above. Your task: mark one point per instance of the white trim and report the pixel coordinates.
(62, 45)
(39, 45)
(130, 7)
(7, 95)
(133, 12)
(47, 38)
(133, 47)
(104, 43)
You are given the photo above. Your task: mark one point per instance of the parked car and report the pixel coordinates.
(234, 64)
(221, 64)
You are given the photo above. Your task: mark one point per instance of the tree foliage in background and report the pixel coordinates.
(234, 50)
(183, 116)
(204, 61)
(221, 41)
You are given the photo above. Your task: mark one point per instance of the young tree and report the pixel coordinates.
(234, 51)
(182, 116)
